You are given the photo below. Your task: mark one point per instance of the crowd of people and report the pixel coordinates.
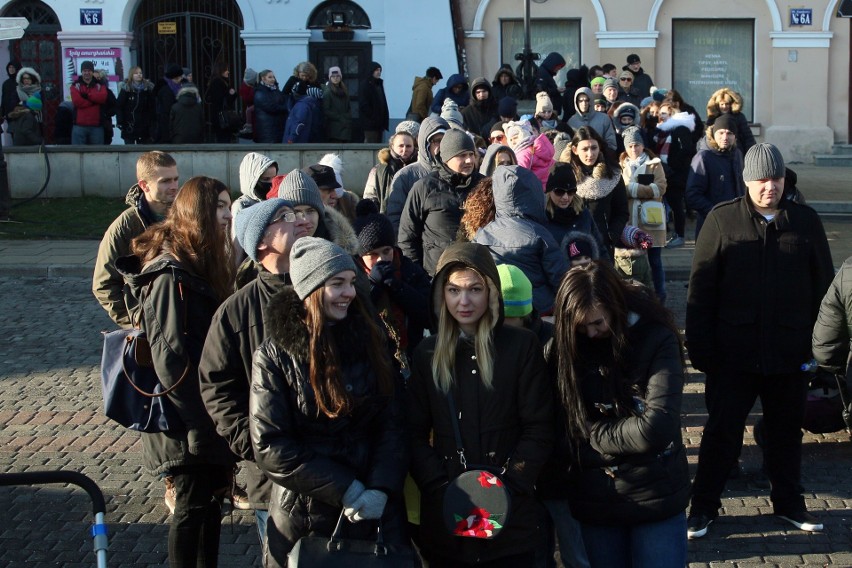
(495, 298)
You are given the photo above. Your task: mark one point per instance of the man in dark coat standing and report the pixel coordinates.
(761, 268)
(373, 105)
(545, 81)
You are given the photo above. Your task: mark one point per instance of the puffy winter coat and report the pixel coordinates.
(378, 184)
(714, 176)
(507, 425)
(304, 123)
(537, 157)
(186, 121)
(88, 100)
(513, 89)
(833, 328)
(479, 114)
(177, 307)
(462, 98)
(562, 223)
(517, 234)
(136, 112)
(270, 114)
(405, 178)
(432, 214)
(421, 97)
(606, 199)
(373, 105)
(337, 113)
(312, 459)
(600, 121)
(633, 467)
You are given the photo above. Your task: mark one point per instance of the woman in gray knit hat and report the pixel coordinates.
(326, 423)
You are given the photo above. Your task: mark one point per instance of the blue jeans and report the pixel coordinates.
(655, 259)
(661, 544)
(81, 135)
(571, 547)
(260, 517)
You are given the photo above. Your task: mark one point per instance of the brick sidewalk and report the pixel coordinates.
(50, 419)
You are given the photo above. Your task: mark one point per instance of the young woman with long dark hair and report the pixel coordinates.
(178, 276)
(619, 368)
(326, 424)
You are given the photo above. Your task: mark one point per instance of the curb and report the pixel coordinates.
(50, 271)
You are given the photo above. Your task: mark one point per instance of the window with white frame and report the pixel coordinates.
(710, 54)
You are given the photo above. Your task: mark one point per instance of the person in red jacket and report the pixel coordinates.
(88, 96)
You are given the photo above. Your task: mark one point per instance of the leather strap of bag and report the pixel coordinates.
(335, 540)
(454, 418)
(139, 326)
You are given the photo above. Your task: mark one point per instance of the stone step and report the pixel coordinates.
(841, 149)
(833, 160)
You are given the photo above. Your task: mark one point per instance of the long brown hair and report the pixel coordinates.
(584, 289)
(604, 153)
(191, 233)
(326, 375)
(478, 208)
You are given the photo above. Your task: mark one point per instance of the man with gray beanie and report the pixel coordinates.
(267, 231)
(432, 213)
(761, 268)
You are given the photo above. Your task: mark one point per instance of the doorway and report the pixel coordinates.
(353, 58)
(191, 33)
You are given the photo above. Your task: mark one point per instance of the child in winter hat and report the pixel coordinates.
(516, 290)
(313, 261)
(450, 112)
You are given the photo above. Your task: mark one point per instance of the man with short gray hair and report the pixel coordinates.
(761, 268)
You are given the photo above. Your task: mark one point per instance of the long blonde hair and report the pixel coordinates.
(444, 358)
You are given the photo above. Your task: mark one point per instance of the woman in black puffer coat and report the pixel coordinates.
(326, 425)
(619, 371)
(136, 108)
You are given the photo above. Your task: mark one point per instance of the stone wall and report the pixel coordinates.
(109, 171)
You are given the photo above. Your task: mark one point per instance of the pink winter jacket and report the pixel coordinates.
(537, 157)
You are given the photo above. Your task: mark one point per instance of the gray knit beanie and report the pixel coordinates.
(299, 188)
(454, 143)
(632, 135)
(251, 223)
(763, 161)
(450, 112)
(410, 127)
(313, 261)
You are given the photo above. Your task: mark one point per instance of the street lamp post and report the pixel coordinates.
(526, 70)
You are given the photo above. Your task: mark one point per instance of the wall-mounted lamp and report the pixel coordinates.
(338, 19)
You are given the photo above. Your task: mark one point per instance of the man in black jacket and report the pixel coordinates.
(432, 212)
(266, 231)
(761, 267)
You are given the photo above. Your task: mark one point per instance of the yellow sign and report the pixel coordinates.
(166, 28)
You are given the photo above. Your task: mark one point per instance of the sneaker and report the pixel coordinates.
(802, 520)
(239, 498)
(696, 525)
(171, 493)
(675, 242)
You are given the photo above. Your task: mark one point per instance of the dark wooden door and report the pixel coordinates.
(353, 59)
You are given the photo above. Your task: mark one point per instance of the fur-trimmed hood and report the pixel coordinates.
(128, 86)
(384, 156)
(285, 325)
(580, 236)
(678, 119)
(724, 92)
(28, 71)
(340, 231)
(186, 93)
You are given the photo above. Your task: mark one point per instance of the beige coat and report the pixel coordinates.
(638, 193)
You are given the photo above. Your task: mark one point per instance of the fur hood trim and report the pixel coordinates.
(384, 156)
(127, 86)
(285, 325)
(340, 230)
(27, 71)
(678, 119)
(580, 236)
(188, 90)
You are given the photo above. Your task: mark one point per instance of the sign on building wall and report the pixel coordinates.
(711, 54)
(91, 17)
(107, 58)
(801, 16)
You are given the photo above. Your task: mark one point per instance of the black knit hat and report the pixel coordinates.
(173, 71)
(87, 65)
(725, 122)
(373, 229)
(562, 177)
(323, 176)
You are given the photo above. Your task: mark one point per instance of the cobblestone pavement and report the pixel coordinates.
(50, 418)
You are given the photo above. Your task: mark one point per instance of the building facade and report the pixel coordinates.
(790, 61)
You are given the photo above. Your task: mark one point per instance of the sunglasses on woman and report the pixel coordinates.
(498, 137)
(560, 192)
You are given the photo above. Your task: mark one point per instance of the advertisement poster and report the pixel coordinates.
(107, 58)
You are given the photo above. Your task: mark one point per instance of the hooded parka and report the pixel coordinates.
(508, 425)
(600, 121)
(518, 235)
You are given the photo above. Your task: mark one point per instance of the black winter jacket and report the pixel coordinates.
(312, 459)
(833, 329)
(432, 214)
(373, 105)
(136, 113)
(270, 114)
(186, 123)
(509, 424)
(165, 99)
(714, 176)
(177, 307)
(236, 331)
(755, 288)
(633, 467)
